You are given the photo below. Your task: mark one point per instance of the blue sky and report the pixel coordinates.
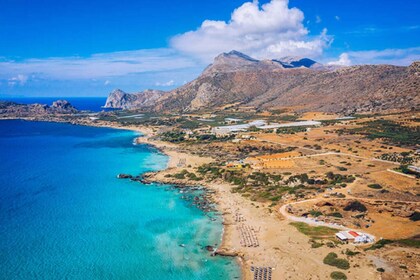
(88, 48)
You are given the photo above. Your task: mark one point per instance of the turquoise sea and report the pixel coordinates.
(64, 215)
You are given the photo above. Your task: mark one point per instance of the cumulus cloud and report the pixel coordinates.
(318, 19)
(272, 30)
(343, 60)
(401, 57)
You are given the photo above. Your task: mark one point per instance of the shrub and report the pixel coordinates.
(315, 213)
(415, 216)
(316, 245)
(355, 206)
(351, 253)
(378, 245)
(338, 275)
(335, 214)
(375, 186)
(333, 260)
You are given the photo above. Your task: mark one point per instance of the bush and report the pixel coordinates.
(338, 275)
(355, 206)
(315, 213)
(351, 253)
(378, 245)
(316, 245)
(333, 260)
(415, 216)
(375, 186)
(335, 214)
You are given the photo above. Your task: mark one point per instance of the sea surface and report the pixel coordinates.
(65, 215)
(81, 103)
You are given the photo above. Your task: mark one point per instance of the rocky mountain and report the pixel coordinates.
(237, 80)
(122, 100)
(12, 109)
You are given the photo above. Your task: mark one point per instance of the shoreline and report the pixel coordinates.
(281, 246)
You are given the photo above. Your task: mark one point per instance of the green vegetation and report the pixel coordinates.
(355, 206)
(173, 136)
(351, 253)
(268, 187)
(378, 245)
(314, 232)
(404, 169)
(315, 213)
(375, 186)
(410, 242)
(389, 131)
(415, 216)
(338, 275)
(414, 243)
(184, 174)
(333, 260)
(404, 158)
(290, 130)
(335, 214)
(315, 244)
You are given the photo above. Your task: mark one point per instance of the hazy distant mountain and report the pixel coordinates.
(123, 100)
(238, 80)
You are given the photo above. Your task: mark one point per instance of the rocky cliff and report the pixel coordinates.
(122, 100)
(237, 80)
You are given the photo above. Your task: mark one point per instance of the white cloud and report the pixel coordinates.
(19, 79)
(401, 57)
(107, 82)
(98, 65)
(318, 19)
(165, 84)
(337, 17)
(343, 60)
(272, 30)
(388, 56)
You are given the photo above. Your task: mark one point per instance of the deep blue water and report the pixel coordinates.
(81, 103)
(64, 215)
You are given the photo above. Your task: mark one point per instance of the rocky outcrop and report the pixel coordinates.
(12, 109)
(62, 106)
(237, 80)
(122, 100)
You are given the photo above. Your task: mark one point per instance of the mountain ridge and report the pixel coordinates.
(237, 80)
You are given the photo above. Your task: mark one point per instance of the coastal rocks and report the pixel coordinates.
(124, 176)
(209, 248)
(225, 253)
